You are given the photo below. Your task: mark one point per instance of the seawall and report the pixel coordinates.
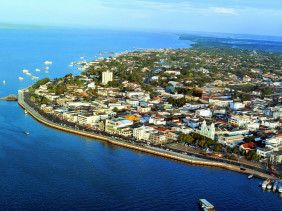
(167, 155)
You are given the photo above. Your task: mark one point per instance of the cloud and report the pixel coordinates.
(223, 10)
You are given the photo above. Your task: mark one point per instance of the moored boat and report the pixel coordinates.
(275, 185)
(265, 183)
(250, 176)
(4, 81)
(25, 111)
(20, 78)
(27, 133)
(279, 187)
(37, 70)
(269, 186)
(25, 71)
(47, 62)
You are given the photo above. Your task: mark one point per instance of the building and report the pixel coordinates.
(107, 76)
(238, 121)
(158, 138)
(231, 141)
(264, 152)
(143, 109)
(143, 133)
(207, 131)
(276, 156)
(114, 125)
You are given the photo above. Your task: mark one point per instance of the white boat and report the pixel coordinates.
(46, 68)
(275, 185)
(70, 65)
(25, 71)
(205, 205)
(25, 112)
(46, 71)
(34, 77)
(27, 133)
(250, 176)
(279, 188)
(4, 82)
(28, 74)
(37, 70)
(265, 183)
(269, 186)
(47, 62)
(20, 78)
(82, 57)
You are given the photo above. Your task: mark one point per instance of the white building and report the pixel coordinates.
(239, 121)
(107, 76)
(143, 133)
(204, 112)
(208, 131)
(236, 106)
(113, 125)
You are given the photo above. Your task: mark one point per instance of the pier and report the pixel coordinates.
(10, 97)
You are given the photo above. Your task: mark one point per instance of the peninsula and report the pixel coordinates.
(215, 107)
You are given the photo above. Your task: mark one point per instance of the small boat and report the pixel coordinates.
(46, 71)
(47, 62)
(4, 82)
(25, 112)
(25, 71)
(279, 187)
(269, 186)
(28, 74)
(37, 70)
(46, 68)
(20, 78)
(27, 133)
(205, 205)
(265, 183)
(275, 186)
(250, 176)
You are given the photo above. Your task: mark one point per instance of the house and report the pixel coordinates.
(238, 121)
(143, 132)
(248, 146)
(276, 156)
(264, 152)
(231, 141)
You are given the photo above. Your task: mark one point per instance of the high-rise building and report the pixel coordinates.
(107, 76)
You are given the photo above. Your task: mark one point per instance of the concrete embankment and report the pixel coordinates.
(168, 155)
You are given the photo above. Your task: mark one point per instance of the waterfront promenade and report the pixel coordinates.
(135, 146)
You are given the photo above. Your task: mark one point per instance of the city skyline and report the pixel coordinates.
(252, 17)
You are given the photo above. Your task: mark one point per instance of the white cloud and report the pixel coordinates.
(223, 10)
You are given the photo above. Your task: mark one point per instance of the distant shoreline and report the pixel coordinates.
(151, 151)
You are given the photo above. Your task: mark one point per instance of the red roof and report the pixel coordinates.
(250, 145)
(278, 135)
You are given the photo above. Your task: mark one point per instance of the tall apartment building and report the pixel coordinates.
(107, 76)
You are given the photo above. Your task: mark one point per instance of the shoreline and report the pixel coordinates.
(159, 153)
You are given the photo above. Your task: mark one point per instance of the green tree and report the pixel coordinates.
(115, 109)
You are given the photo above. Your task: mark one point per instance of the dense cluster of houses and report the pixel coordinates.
(135, 114)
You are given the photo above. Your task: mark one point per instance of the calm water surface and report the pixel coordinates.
(50, 170)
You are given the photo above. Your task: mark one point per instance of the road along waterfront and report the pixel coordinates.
(149, 150)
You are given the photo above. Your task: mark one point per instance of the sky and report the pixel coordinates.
(229, 16)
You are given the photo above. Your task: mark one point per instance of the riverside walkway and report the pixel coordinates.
(150, 150)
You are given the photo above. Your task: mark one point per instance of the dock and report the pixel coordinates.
(10, 97)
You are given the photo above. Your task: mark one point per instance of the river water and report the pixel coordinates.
(50, 169)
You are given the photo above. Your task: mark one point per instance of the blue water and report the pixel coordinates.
(51, 170)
